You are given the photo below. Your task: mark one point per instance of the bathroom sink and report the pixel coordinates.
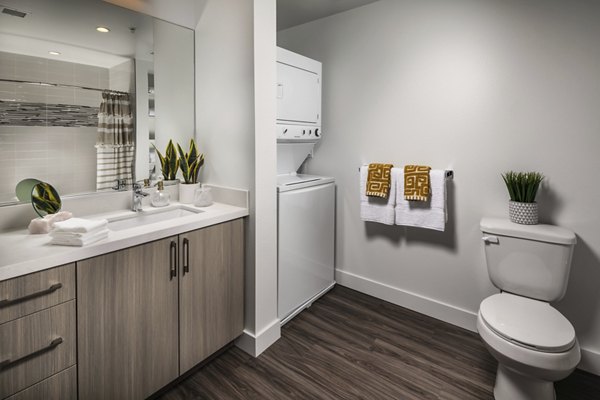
(136, 219)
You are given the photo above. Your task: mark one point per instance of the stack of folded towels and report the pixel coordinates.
(79, 232)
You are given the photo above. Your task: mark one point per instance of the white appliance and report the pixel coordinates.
(306, 203)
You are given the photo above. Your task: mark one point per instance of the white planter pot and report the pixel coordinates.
(172, 187)
(186, 192)
(523, 213)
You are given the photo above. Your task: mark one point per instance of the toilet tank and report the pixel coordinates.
(528, 260)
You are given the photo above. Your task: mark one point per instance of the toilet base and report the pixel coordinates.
(511, 385)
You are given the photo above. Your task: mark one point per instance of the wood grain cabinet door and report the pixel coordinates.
(211, 290)
(127, 322)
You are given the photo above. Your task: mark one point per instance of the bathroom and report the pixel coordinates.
(476, 87)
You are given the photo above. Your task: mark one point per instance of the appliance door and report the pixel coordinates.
(298, 95)
(306, 245)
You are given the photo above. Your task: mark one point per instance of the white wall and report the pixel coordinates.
(173, 85)
(480, 87)
(235, 114)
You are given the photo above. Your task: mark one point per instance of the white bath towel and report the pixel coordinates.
(431, 214)
(79, 239)
(377, 209)
(80, 225)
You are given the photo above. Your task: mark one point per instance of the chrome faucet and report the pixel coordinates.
(137, 195)
(120, 185)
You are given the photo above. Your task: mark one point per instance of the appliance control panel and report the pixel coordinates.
(298, 133)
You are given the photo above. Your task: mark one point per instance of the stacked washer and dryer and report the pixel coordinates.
(306, 203)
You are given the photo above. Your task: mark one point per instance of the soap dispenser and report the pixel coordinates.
(160, 198)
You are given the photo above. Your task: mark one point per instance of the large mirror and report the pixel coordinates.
(86, 89)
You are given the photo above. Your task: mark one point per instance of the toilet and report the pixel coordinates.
(535, 345)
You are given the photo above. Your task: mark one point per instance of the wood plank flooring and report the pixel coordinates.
(352, 346)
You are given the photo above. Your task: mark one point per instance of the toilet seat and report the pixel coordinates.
(528, 323)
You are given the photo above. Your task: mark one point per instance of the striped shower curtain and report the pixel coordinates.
(116, 142)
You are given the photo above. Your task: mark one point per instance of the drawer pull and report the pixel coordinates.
(7, 363)
(8, 302)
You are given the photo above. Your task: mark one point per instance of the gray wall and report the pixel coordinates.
(478, 86)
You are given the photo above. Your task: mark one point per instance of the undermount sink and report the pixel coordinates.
(133, 220)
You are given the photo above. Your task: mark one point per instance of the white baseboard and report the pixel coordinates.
(254, 344)
(424, 305)
(590, 360)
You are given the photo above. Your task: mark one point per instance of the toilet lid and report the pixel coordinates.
(528, 322)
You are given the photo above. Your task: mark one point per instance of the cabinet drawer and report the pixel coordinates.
(30, 293)
(62, 386)
(35, 347)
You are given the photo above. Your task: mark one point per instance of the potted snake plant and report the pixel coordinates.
(169, 164)
(190, 164)
(522, 188)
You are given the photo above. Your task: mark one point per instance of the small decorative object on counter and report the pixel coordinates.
(160, 198)
(522, 188)
(190, 164)
(203, 196)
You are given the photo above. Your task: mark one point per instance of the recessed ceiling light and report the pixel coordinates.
(54, 53)
(102, 29)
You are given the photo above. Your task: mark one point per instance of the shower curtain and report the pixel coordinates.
(115, 144)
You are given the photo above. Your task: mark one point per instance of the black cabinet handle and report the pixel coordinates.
(52, 288)
(186, 255)
(8, 362)
(173, 260)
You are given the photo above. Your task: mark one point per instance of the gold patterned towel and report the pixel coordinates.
(378, 180)
(416, 182)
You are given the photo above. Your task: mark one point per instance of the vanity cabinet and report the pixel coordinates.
(149, 313)
(127, 322)
(211, 290)
(37, 332)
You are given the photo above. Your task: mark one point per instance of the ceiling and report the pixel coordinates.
(296, 12)
(69, 27)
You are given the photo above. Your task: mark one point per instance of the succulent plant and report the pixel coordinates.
(169, 163)
(45, 199)
(190, 162)
(522, 186)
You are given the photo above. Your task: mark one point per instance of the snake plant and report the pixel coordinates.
(190, 162)
(45, 199)
(169, 163)
(522, 186)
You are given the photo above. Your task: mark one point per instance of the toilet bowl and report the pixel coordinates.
(533, 343)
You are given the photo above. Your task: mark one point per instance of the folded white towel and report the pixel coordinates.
(377, 209)
(80, 225)
(79, 239)
(431, 214)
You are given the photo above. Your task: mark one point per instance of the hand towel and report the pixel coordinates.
(416, 182)
(43, 225)
(377, 209)
(378, 180)
(82, 240)
(80, 225)
(431, 214)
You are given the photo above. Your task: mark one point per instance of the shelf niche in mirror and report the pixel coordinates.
(49, 104)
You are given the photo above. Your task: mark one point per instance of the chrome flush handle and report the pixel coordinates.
(490, 239)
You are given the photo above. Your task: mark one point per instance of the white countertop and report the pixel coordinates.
(22, 253)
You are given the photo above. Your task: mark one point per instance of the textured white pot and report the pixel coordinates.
(186, 192)
(523, 213)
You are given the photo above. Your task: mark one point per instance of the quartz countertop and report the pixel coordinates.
(22, 253)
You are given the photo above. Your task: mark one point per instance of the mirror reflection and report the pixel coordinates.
(86, 88)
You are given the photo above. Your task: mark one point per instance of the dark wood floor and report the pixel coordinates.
(352, 346)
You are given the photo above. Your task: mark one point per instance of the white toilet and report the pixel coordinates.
(534, 344)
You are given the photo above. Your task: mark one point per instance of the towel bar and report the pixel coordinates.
(449, 172)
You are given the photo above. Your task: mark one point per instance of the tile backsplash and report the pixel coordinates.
(49, 132)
